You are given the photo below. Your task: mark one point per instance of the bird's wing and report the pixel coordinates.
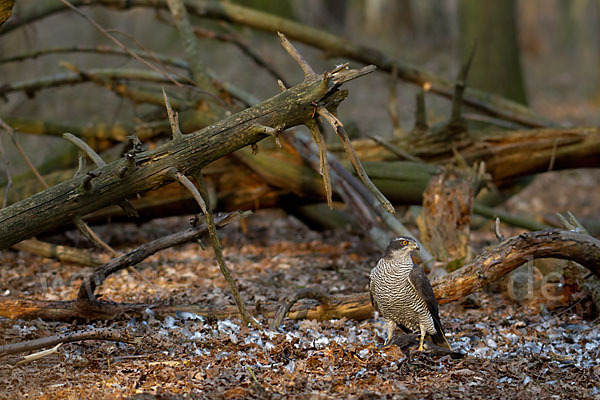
(422, 287)
(371, 291)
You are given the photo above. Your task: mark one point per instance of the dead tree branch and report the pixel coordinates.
(305, 293)
(149, 169)
(244, 47)
(486, 268)
(69, 78)
(332, 45)
(59, 252)
(119, 44)
(69, 337)
(190, 44)
(116, 51)
(88, 287)
(11, 133)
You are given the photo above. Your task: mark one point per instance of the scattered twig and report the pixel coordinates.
(80, 165)
(175, 62)
(203, 201)
(572, 223)
(8, 174)
(11, 133)
(83, 146)
(267, 130)
(323, 165)
(125, 205)
(59, 252)
(394, 149)
(173, 118)
(91, 236)
(148, 54)
(116, 132)
(68, 78)
(94, 334)
(281, 85)
(520, 221)
(39, 354)
(212, 229)
(244, 47)
(360, 171)
(118, 43)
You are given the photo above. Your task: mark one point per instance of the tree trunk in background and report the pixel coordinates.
(497, 65)
(329, 15)
(388, 18)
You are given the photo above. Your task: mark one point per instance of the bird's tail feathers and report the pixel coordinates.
(440, 339)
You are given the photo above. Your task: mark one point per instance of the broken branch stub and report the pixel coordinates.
(173, 118)
(295, 54)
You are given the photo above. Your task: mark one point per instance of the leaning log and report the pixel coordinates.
(149, 170)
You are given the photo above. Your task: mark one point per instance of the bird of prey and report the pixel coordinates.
(402, 294)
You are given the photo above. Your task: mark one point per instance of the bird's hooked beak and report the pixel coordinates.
(415, 246)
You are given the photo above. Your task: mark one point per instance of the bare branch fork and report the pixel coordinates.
(337, 126)
(86, 305)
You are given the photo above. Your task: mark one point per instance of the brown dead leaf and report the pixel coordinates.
(5, 10)
(235, 393)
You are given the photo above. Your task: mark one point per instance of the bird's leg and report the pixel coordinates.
(391, 327)
(423, 332)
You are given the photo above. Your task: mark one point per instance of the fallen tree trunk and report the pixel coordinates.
(507, 154)
(486, 268)
(148, 170)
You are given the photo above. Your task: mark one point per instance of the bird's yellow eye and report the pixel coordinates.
(404, 242)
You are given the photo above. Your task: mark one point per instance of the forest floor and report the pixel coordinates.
(512, 349)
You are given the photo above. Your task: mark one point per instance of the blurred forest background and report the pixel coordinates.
(557, 45)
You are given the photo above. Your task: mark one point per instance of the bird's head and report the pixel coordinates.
(401, 246)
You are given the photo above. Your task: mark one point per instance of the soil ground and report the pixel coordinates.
(513, 349)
